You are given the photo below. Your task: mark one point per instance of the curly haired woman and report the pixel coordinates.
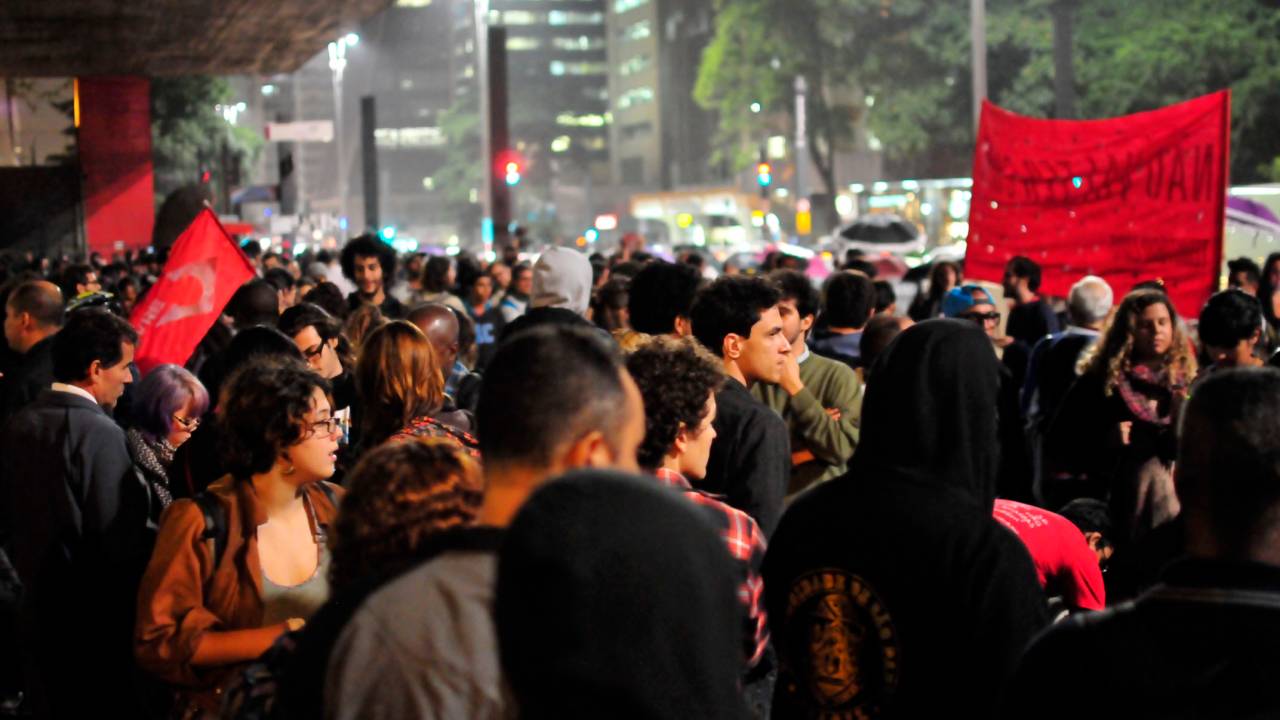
(205, 610)
(1117, 424)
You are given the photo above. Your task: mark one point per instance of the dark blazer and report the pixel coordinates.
(32, 376)
(76, 514)
(750, 463)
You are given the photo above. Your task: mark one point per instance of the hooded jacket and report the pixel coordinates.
(891, 591)
(615, 598)
(562, 279)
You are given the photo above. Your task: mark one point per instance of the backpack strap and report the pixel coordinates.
(215, 524)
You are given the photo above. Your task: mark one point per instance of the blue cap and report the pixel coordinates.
(960, 300)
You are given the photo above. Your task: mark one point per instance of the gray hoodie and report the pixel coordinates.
(562, 279)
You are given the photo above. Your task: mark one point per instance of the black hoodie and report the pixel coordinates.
(616, 599)
(891, 591)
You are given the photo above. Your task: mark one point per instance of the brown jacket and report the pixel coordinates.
(182, 596)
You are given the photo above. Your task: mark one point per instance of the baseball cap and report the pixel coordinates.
(961, 299)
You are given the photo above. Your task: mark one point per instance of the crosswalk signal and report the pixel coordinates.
(513, 173)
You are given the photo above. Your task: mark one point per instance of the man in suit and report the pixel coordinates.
(74, 511)
(32, 316)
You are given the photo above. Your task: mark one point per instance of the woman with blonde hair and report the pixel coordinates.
(1116, 432)
(402, 388)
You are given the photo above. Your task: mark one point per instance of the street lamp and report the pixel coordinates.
(338, 64)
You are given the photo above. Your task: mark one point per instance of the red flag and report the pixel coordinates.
(204, 270)
(1133, 198)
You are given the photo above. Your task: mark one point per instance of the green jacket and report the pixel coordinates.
(827, 384)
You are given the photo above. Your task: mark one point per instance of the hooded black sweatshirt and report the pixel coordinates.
(616, 599)
(891, 591)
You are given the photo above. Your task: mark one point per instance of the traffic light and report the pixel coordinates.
(513, 172)
(764, 177)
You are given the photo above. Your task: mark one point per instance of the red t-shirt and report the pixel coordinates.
(1064, 563)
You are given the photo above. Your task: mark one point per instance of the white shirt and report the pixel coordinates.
(74, 390)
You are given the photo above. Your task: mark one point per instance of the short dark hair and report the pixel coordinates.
(1244, 265)
(730, 305)
(876, 336)
(885, 295)
(862, 266)
(529, 406)
(255, 303)
(675, 378)
(1089, 515)
(40, 301)
(328, 296)
(435, 274)
(304, 315)
(795, 285)
(90, 334)
(251, 248)
(1229, 317)
(1024, 267)
(73, 275)
(849, 299)
(1230, 468)
(261, 413)
(257, 342)
(280, 278)
(660, 293)
(369, 246)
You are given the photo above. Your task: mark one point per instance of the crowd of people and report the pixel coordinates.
(588, 486)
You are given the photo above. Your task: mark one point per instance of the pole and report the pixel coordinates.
(338, 63)
(499, 138)
(480, 20)
(802, 139)
(369, 161)
(978, 33)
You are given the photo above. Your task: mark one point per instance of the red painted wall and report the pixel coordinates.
(115, 163)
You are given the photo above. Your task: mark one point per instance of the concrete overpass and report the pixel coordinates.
(65, 38)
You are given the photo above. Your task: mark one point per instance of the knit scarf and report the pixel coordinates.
(154, 457)
(1149, 393)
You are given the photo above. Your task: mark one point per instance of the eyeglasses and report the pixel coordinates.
(980, 318)
(312, 353)
(187, 423)
(328, 426)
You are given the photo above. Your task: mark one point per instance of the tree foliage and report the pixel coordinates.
(912, 59)
(460, 178)
(188, 132)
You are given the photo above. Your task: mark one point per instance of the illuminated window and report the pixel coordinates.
(573, 17)
(521, 17)
(634, 97)
(596, 143)
(571, 120)
(636, 31)
(634, 65)
(621, 6)
(558, 67)
(523, 43)
(578, 43)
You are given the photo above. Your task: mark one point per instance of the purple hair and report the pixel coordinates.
(161, 394)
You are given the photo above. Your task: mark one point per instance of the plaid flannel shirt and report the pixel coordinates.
(746, 545)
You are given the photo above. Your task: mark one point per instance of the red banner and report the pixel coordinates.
(204, 270)
(1134, 198)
